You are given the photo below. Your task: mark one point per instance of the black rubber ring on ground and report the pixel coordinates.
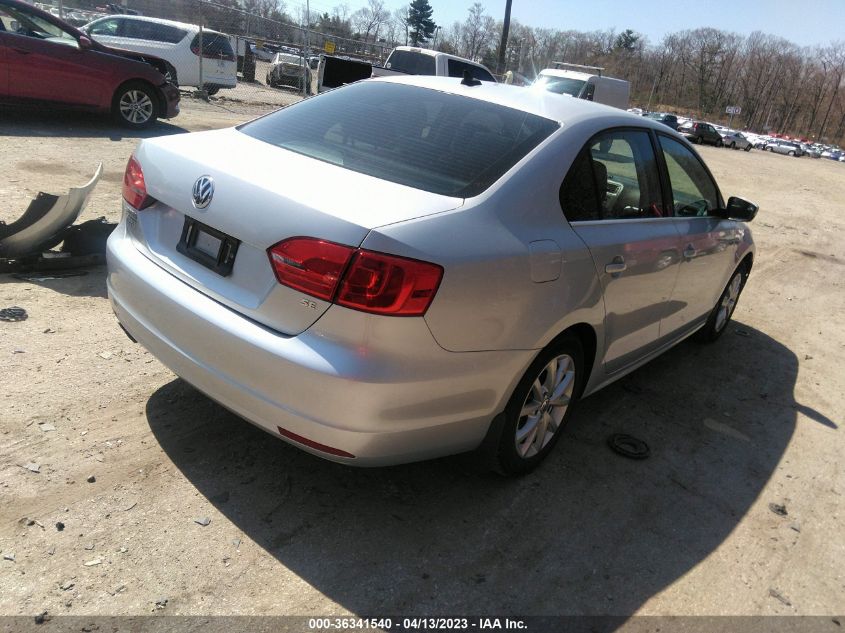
(628, 446)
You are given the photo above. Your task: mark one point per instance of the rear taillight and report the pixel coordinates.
(310, 265)
(356, 278)
(386, 284)
(134, 187)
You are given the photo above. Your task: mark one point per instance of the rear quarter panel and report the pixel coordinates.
(487, 299)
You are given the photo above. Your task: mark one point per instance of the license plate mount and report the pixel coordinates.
(208, 246)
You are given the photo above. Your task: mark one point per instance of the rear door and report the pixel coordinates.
(634, 247)
(707, 243)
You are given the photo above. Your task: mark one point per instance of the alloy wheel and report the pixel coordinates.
(136, 106)
(728, 302)
(545, 406)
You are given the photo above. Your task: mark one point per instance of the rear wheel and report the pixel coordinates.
(211, 90)
(135, 104)
(733, 144)
(719, 143)
(721, 315)
(747, 148)
(791, 153)
(540, 406)
(699, 140)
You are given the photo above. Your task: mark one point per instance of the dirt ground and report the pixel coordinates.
(735, 427)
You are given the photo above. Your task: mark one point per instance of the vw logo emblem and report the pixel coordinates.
(203, 192)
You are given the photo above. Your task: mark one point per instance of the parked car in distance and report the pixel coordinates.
(46, 60)
(737, 140)
(360, 321)
(288, 69)
(781, 146)
(665, 118)
(178, 43)
(810, 151)
(700, 132)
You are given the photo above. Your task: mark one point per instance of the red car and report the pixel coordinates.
(44, 59)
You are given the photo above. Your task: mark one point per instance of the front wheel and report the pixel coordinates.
(747, 148)
(211, 90)
(540, 406)
(135, 105)
(733, 144)
(791, 153)
(719, 143)
(721, 315)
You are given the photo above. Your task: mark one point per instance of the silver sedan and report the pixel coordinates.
(407, 268)
(737, 140)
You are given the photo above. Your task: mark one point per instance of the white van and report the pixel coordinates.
(584, 82)
(177, 43)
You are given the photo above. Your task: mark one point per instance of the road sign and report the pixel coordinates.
(733, 110)
(329, 47)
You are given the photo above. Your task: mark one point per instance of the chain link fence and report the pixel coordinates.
(218, 52)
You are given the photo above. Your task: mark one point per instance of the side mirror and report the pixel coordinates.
(85, 43)
(739, 209)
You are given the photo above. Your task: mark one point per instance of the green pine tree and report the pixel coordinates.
(419, 22)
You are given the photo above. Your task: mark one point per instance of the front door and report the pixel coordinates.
(708, 244)
(45, 62)
(633, 246)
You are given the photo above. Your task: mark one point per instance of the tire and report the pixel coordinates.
(135, 105)
(722, 312)
(211, 90)
(171, 76)
(733, 145)
(747, 148)
(698, 140)
(518, 448)
(719, 143)
(791, 153)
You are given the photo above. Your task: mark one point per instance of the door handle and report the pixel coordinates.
(689, 252)
(617, 266)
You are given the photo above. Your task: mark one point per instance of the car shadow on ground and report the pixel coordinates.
(589, 532)
(75, 282)
(49, 122)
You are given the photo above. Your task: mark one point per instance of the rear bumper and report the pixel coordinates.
(378, 388)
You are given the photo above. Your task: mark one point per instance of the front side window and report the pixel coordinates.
(109, 27)
(427, 139)
(21, 22)
(694, 193)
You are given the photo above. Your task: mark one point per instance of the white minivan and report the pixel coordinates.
(178, 43)
(584, 82)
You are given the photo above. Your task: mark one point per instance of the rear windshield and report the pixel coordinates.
(214, 45)
(411, 63)
(426, 139)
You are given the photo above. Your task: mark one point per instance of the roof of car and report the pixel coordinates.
(561, 108)
(144, 18)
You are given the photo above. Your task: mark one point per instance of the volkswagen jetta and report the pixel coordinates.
(407, 268)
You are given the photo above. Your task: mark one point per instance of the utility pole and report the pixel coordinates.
(506, 25)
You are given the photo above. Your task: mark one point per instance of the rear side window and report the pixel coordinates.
(411, 63)
(443, 143)
(693, 191)
(579, 197)
(456, 69)
(214, 45)
(153, 31)
(626, 175)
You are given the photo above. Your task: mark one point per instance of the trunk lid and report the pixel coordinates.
(262, 195)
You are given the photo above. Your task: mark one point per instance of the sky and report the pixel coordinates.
(804, 22)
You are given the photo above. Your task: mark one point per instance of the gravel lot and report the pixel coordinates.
(735, 427)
